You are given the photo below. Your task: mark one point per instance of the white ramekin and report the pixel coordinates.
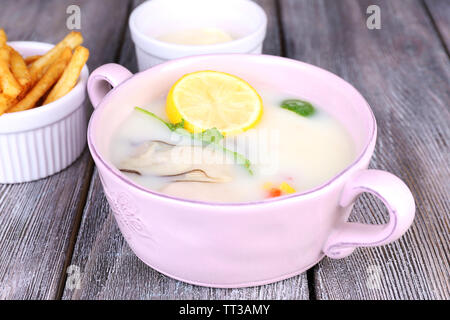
(243, 19)
(39, 142)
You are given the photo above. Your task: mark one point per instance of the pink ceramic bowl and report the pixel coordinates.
(247, 244)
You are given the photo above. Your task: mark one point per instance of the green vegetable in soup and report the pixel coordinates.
(209, 136)
(300, 107)
(171, 126)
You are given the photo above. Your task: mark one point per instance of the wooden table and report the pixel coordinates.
(402, 70)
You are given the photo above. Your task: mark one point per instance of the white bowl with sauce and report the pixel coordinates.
(163, 30)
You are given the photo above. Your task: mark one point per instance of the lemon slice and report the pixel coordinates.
(211, 99)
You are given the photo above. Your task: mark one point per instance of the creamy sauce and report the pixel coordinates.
(202, 36)
(305, 152)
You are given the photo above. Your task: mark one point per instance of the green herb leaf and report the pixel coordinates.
(209, 136)
(169, 125)
(176, 125)
(300, 107)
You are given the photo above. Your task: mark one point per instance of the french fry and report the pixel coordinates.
(3, 104)
(31, 59)
(39, 67)
(19, 69)
(6, 103)
(11, 88)
(70, 76)
(45, 83)
(3, 38)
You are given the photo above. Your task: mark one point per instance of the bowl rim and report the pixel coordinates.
(365, 153)
(174, 50)
(53, 111)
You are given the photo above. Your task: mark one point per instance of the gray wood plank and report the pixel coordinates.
(404, 73)
(39, 220)
(440, 13)
(109, 268)
(272, 44)
(36, 223)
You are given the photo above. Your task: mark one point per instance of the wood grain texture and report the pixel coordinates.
(272, 44)
(38, 220)
(109, 268)
(440, 13)
(402, 70)
(404, 73)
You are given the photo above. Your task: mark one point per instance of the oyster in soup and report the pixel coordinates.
(289, 146)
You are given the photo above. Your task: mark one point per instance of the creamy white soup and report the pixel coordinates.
(284, 153)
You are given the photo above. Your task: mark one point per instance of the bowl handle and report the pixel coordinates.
(103, 79)
(396, 197)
